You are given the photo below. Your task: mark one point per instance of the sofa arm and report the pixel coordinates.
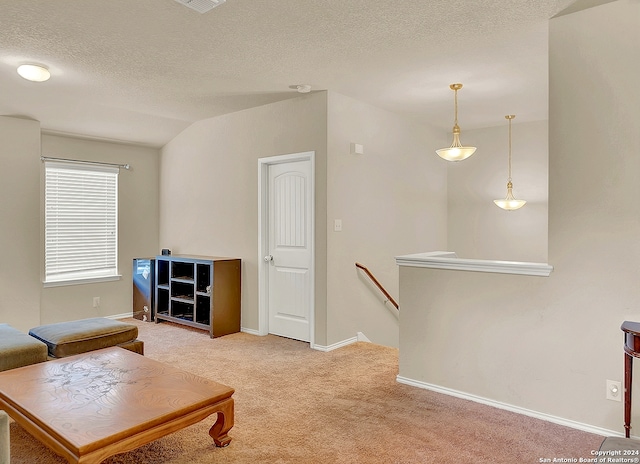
(5, 455)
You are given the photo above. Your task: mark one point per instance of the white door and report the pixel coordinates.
(289, 255)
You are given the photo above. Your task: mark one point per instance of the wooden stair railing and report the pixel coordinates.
(378, 284)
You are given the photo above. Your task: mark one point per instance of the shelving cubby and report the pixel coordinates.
(199, 291)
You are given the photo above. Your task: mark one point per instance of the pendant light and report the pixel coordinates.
(456, 152)
(510, 203)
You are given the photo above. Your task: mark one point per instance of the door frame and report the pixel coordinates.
(263, 238)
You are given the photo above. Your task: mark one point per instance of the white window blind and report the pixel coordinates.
(81, 221)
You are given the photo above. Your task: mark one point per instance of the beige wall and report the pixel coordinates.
(594, 214)
(20, 222)
(137, 227)
(209, 188)
(548, 344)
(477, 228)
(391, 200)
(25, 303)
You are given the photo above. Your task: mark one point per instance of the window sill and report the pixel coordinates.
(89, 280)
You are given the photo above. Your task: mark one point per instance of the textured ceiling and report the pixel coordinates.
(142, 71)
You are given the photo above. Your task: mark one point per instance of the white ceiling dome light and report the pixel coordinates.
(34, 72)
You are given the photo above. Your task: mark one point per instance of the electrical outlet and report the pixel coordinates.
(614, 390)
(96, 301)
(337, 225)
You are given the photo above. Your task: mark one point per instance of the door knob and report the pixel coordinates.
(268, 258)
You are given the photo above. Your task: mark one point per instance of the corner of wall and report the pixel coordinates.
(20, 284)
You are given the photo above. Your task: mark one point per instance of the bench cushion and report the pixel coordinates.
(74, 337)
(17, 349)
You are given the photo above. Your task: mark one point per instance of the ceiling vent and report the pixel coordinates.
(201, 6)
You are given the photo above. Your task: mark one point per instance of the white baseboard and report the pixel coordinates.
(335, 346)
(360, 337)
(332, 347)
(250, 331)
(120, 316)
(500, 405)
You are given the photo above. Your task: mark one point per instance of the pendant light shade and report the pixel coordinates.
(510, 203)
(456, 152)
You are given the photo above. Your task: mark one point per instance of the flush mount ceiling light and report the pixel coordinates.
(510, 203)
(34, 72)
(201, 6)
(456, 152)
(303, 88)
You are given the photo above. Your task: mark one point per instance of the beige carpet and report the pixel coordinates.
(297, 405)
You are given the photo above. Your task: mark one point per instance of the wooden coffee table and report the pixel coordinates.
(94, 405)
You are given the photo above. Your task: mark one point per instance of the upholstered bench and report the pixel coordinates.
(18, 349)
(68, 338)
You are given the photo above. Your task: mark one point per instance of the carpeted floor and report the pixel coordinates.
(297, 405)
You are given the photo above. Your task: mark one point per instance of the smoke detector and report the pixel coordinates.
(201, 6)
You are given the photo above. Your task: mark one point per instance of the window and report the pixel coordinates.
(81, 222)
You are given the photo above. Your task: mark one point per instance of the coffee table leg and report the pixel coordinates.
(223, 424)
(628, 374)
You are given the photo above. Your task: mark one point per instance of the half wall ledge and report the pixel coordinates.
(448, 260)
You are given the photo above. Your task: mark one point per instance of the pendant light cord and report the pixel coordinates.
(509, 180)
(455, 107)
(455, 88)
(510, 118)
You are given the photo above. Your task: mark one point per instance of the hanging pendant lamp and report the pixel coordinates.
(456, 152)
(510, 203)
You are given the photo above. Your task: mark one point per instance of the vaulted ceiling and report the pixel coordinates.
(142, 71)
